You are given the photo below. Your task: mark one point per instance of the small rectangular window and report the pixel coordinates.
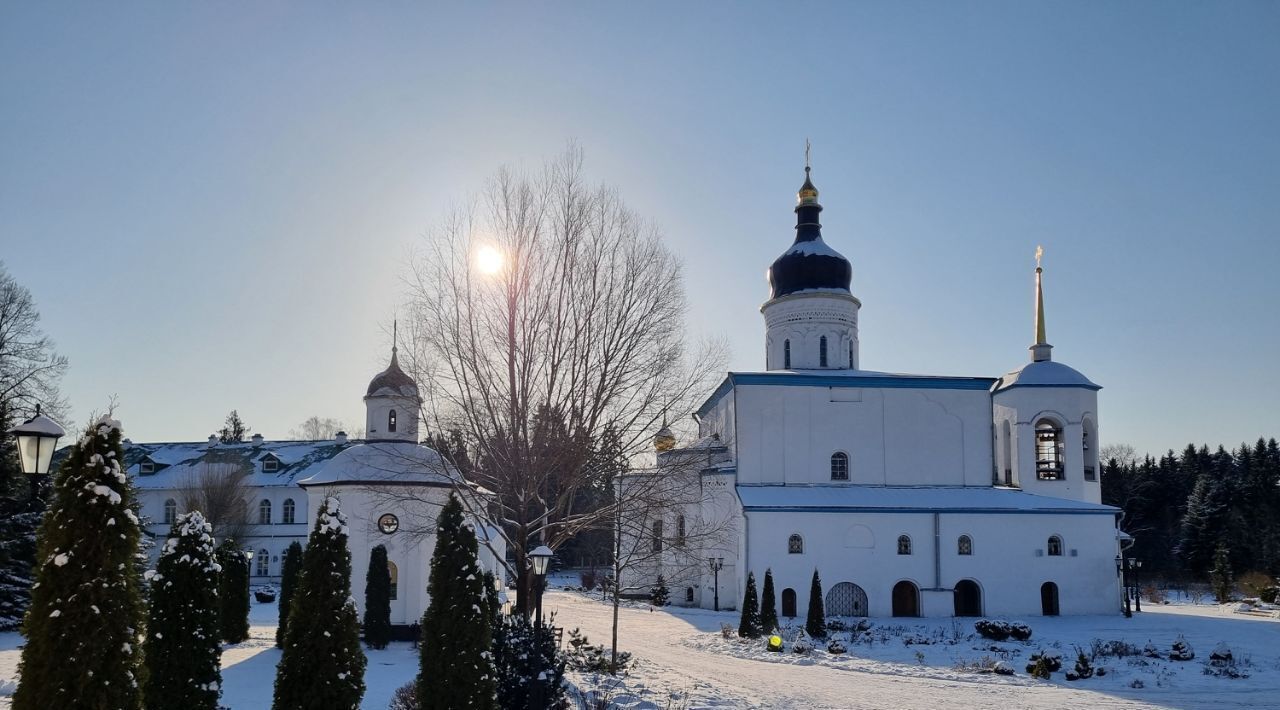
(270, 465)
(146, 467)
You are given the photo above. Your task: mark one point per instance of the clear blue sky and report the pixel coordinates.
(212, 201)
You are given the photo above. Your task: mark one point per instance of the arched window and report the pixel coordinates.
(170, 511)
(904, 545)
(1055, 546)
(839, 466)
(287, 511)
(680, 531)
(264, 512)
(264, 562)
(1007, 447)
(1050, 448)
(964, 546)
(688, 595)
(822, 351)
(1090, 451)
(395, 577)
(657, 536)
(795, 545)
(786, 354)
(850, 354)
(391, 421)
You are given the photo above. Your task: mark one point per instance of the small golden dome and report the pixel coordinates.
(664, 440)
(808, 194)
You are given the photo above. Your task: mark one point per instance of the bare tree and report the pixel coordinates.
(221, 493)
(317, 429)
(576, 329)
(30, 369)
(663, 520)
(1123, 454)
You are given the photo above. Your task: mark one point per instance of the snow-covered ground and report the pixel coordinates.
(683, 661)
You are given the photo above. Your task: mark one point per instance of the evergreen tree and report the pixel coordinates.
(660, 595)
(233, 593)
(183, 655)
(377, 599)
(749, 623)
(816, 624)
(1221, 577)
(234, 430)
(290, 569)
(456, 667)
(768, 607)
(322, 667)
(86, 611)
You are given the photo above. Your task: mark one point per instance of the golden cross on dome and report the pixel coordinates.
(1039, 253)
(806, 155)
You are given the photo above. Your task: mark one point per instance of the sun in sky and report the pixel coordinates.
(489, 260)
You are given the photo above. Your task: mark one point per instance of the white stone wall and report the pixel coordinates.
(900, 437)
(862, 548)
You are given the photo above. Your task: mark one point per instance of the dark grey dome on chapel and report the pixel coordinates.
(392, 377)
(809, 265)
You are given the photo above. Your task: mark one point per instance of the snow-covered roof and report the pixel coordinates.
(1045, 373)
(177, 464)
(907, 499)
(843, 378)
(383, 463)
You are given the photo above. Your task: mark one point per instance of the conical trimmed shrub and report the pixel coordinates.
(86, 612)
(290, 569)
(322, 667)
(377, 599)
(768, 605)
(183, 654)
(456, 664)
(233, 592)
(816, 623)
(749, 623)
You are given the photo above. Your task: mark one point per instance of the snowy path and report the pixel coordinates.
(664, 644)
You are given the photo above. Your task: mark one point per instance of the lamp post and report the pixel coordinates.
(248, 561)
(1136, 566)
(1124, 584)
(540, 557)
(716, 564)
(37, 438)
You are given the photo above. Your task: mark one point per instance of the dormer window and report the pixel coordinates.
(147, 467)
(391, 422)
(270, 464)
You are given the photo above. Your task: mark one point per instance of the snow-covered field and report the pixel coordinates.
(683, 661)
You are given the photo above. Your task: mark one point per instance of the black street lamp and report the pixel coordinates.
(37, 438)
(1136, 566)
(248, 563)
(540, 558)
(716, 564)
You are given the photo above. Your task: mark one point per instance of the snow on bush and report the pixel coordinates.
(802, 643)
(997, 630)
(1051, 657)
(1181, 650)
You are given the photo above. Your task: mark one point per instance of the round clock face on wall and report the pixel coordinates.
(388, 523)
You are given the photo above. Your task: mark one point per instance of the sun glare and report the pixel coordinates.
(488, 260)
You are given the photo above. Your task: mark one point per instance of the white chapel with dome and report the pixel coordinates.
(390, 489)
(911, 495)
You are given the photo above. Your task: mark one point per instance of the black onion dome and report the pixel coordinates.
(392, 377)
(809, 264)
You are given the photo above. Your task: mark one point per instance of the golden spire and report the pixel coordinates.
(1040, 350)
(808, 194)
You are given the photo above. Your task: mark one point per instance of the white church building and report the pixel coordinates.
(911, 495)
(389, 486)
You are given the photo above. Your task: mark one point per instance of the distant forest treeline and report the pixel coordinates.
(1180, 508)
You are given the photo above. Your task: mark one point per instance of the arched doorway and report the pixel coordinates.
(789, 603)
(1049, 599)
(846, 599)
(906, 599)
(968, 598)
